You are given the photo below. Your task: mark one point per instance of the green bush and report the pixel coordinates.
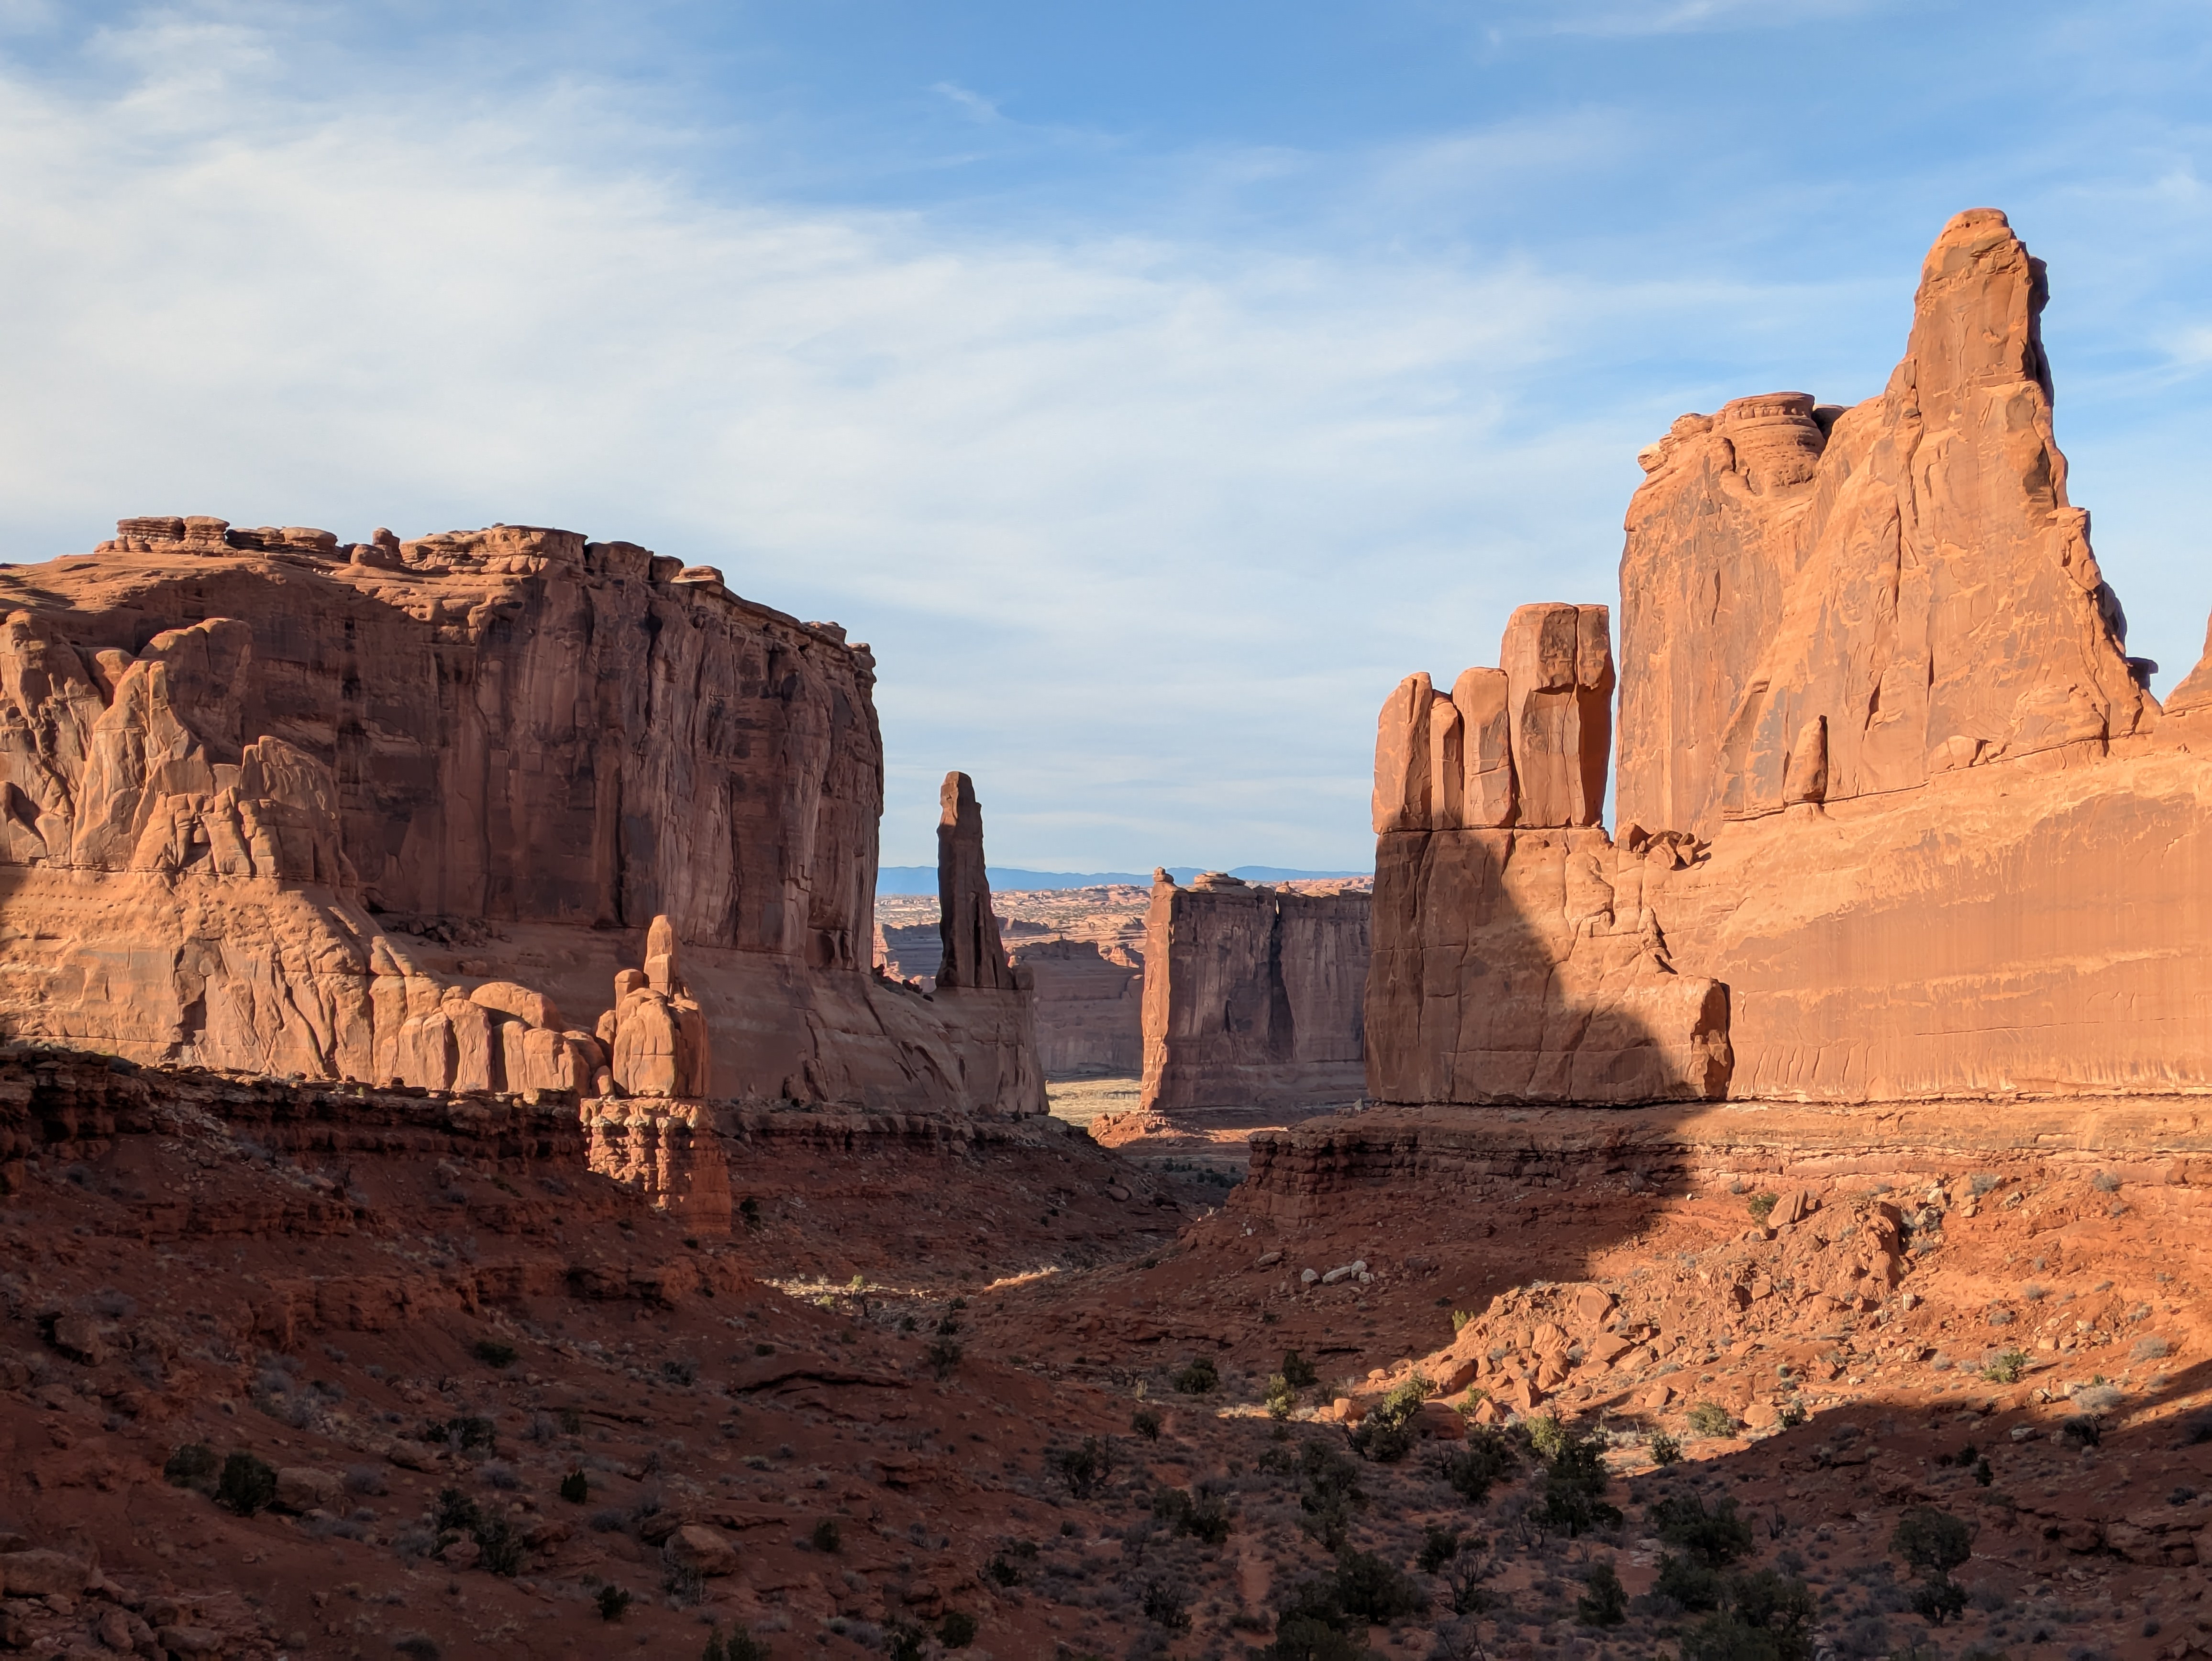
(1575, 1481)
(1792, 1414)
(957, 1630)
(1146, 1423)
(1604, 1602)
(1932, 1542)
(2007, 1367)
(1280, 1397)
(500, 1545)
(1387, 1434)
(1687, 1583)
(1203, 1514)
(828, 1536)
(739, 1645)
(1711, 1419)
(1714, 1538)
(575, 1487)
(1487, 1459)
(246, 1486)
(1299, 1372)
(1460, 1318)
(192, 1466)
(1663, 1449)
(613, 1602)
(1303, 1638)
(1085, 1469)
(493, 1353)
(1368, 1588)
(1198, 1379)
(1439, 1547)
(1761, 1207)
(943, 1354)
(905, 1641)
(1330, 1493)
(1544, 1433)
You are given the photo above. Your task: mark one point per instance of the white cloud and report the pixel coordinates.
(1142, 530)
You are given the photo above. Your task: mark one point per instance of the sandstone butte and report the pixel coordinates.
(1897, 816)
(463, 1193)
(382, 811)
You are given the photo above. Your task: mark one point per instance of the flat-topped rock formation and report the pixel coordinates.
(264, 798)
(1252, 995)
(1897, 815)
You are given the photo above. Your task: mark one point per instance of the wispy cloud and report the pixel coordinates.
(973, 104)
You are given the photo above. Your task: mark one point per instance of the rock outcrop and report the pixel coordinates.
(1089, 1007)
(1897, 816)
(1251, 995)
(274, 804)
(974, 955)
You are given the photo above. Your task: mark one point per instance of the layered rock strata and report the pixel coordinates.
(266, 799)
(1898, 816)
(1251, 995)
(1089, 1007)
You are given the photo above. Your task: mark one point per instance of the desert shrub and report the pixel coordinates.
(1932, 1542)
(680, 1370)
(1761, 1207)
(613, 1602)
(1604, 1600)
(575, 1487)
(1711, 1419)
(957, 1630)
(1300, 1637)
(1487, 1459)
(1297, 1371)
(828, 1536)
(366, 1479)
(2006, 1367)
(1792, 1414)
(1279, 1397)
(493, 1354)
(2104, 1182)
(1575, 1481)
(2082, 1430)
(684, 1584)
(1198, 1377)
(1166, 1605)
(453, 1512)
(1663, 1449)
(905, 1641)
(1715, 1538)
(1146, 1423)
(1085, 1469)
(1387, 1434)
(739, 1645)
(500, 1545)
(2152, 1349)
(1981, 1182)
(1439, 1547)
(1201, 1513)
(1329, 1492)
(192, 1466)
(1687, 1583)
(1460, 1319)
(1368, 1588)
(246, 1486)
(943, 1354)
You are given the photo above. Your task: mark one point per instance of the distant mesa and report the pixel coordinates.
(1012, 879)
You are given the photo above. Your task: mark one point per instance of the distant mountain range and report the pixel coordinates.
(1008, 879)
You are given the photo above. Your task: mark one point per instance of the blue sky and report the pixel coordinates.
(1152, 385)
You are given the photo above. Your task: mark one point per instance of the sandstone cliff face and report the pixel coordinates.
(1848, 614)
(251, 782)
(1896, 815)
(1251, 995)
(1089, 1007)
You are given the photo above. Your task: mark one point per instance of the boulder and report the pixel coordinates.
(44, 1573)
(700, 1547)
(303, 1488)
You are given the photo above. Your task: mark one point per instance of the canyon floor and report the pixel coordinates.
(995, 1390)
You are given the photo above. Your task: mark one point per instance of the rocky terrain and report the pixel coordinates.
(469, 1188)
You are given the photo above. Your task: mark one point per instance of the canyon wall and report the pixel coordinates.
(1897, 816)
(1251, 995)
(263, 797)
(1089, 1007)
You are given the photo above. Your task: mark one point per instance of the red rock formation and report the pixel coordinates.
(1898, 818)
(974, 954)
(1089, 1007)
(256, 789)
(1251, 995)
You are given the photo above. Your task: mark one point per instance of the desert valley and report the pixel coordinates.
(485, 1174)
